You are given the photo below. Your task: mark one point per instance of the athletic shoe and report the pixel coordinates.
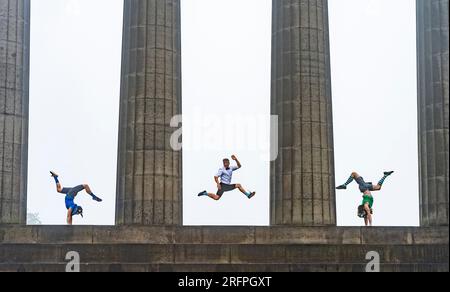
(204, 193)
(95, 198)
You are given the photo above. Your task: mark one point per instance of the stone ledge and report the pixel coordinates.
(221, 253)
(228, 249)
(222, 235)
(230, 257)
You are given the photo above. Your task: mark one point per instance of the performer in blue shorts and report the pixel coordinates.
(225, 175)
(72, 208)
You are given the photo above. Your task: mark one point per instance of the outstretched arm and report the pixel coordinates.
(239, 165)
(216, 178)
(69, 216)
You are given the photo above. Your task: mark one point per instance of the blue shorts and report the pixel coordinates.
(364, 186)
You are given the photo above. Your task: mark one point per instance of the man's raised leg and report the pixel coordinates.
(89, 191)
(381, 182)
(212, 196)
(56, 178)
(349, 181)
(247, 194)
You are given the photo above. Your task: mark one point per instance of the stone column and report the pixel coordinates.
(14, 83)
(302, 179)
(149, 171)
(432, 38)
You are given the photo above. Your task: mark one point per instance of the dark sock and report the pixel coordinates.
(386, 175)
(95, 198)
(56, 179)
(381, 182)
(349, 181)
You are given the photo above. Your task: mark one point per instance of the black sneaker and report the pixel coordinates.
(388, 173)
(204, 193)
(342, 187)
(251, 195)
(53, 174)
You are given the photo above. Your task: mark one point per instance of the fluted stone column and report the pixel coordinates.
(14, 78)
(149, 172)
(433, 38)
(302, 180)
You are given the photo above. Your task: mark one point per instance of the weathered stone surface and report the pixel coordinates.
(308, 235)
(236, 235)
(186, 268)
(170, 248)
(429, 235)
(133, 256)
(139, 234)
(302, 178)
(433, 98)
(222, 235)
(14, 84)
(149, 171)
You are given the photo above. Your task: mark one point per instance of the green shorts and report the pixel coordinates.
(367, 200)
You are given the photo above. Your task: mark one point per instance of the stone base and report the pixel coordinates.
(227, 249)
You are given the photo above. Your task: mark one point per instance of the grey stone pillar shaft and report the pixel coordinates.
(302, 180)
(14, 78)
(433, 38)
(149, 171)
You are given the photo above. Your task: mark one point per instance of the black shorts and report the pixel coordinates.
(225, 188)
(72, 192)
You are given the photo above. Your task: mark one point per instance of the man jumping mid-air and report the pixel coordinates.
(366, 188)
(72, 208)
(225, 175)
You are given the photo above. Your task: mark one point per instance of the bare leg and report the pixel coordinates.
(214, 196)
(247, 194)
(239, 186)
(87, 189)
(59, 188)
(58, 185)
(376, 188)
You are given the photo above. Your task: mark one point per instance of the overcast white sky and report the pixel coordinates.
(74, 95)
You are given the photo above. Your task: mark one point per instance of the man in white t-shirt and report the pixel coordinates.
(223, 180)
